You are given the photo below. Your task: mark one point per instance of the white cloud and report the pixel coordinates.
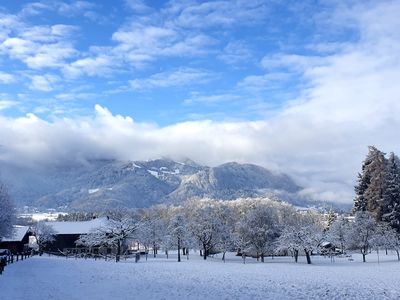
(44, 83)
(140, 43)
(6, 78)
(236, 52)
(138, 6)
(180, 77)
(218, 13)
(293, 62)
(211, 99)
(100, 65)
(63, 8)
(267, 81)
(5, 104)
(41, 46)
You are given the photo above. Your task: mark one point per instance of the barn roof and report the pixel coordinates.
(18, 234)
(77, 227)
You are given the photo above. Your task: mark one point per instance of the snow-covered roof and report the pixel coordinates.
(18, 234)
(77, 227)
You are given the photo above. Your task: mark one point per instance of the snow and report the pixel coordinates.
(160, 278)
(18, 234)
(92, 191)
(42, 216)
(77, 227)
(136, 166)
(154, 173)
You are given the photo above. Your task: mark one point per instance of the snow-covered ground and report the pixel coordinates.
(40, 216)
(279, 278)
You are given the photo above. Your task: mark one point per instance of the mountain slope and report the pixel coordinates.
(232, 180)
(102, 184)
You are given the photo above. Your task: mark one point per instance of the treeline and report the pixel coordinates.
(251, 227)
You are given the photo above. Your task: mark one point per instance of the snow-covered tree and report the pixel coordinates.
(361, 233)
(44, 234)
(7, 213)
(391, 195)
(331, 218)
(178, 232)
(203, 223)
(154, 227)
(337, 233)
(386, 237)
(304, 234)
(260, 227)
(113, 233)
(225, 235)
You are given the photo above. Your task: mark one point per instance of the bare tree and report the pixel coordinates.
(361, 233)
(203, 223)
(44, 234)
(112, 234)
(259, 226)
(306, 235)
(7, 213)
(337, 233)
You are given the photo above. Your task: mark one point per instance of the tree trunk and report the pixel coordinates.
(296, 255)
(118, 251)
(262, 257)
(179, 249)
(308, 256)
(154, 250)
(205, 252)
(398, 255)
(363, 254)
(223, 256)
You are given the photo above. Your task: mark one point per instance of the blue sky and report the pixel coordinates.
(157, 61)
(301, 87)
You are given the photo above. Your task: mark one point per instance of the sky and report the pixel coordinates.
(301, 87)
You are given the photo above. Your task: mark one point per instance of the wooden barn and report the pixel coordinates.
(19, 241)
(68, 232)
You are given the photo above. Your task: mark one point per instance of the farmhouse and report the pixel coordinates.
(68, 232)
(19, 241)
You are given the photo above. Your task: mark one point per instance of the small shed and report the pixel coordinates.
(19, 240)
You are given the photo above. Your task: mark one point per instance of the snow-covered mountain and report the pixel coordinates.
(101, 184)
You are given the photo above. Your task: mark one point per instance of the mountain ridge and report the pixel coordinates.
(104, 184)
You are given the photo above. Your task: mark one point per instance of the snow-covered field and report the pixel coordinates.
(279, 278)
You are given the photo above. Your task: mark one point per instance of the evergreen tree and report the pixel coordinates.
(391, 195)
(371, 184)
(360, 202)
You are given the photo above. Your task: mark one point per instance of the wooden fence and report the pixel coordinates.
(10, 258)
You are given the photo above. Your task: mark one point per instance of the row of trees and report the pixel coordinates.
(256, 227)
